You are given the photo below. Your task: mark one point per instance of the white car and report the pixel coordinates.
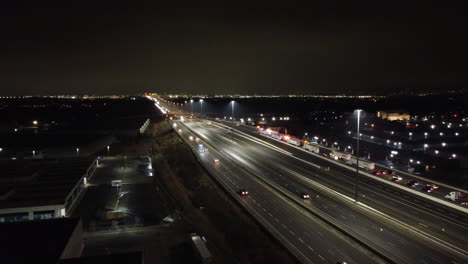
(396, 178)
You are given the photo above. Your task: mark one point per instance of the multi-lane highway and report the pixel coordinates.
(407, 233)
(306, 236)
(404, 227)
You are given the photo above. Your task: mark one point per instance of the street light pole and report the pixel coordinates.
(108, 147)
(232, 102)
(201, 106)
(191, 106)
(357, 158)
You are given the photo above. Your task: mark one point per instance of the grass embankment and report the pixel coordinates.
(210, 210)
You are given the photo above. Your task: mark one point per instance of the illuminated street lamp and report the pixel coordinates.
(357, 156)
(191, 106)
(454, 155)
(444, 144)
(425, 146)
(201, 105)
(232, 103)
(78, 151)
(108, 147)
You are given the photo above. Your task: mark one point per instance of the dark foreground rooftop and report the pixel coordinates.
(40, 241)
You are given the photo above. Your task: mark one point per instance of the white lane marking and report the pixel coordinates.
(300, 239)
(321, 257)
(292, 233)
(311, 248)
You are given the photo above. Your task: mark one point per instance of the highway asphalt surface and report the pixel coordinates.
(307, 237)
(388, 237)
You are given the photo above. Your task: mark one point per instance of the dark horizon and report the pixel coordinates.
(217, 48)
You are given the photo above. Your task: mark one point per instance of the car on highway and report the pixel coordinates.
(216, 160)
(396, 178)
(243, 192)
(433, 186)
(378, 173)
(191, 138)
(426, 188)
(412, 183)
(305, 196)
(341, 262)
(197, 139)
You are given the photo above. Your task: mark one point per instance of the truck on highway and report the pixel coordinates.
(363, 163)
(340, 155)
(294, 141)
(453, 196)
(312, 148)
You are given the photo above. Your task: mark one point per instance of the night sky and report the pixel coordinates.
(216, 48)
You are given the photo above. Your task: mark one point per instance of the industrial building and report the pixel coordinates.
(393, 116)
(42, 189)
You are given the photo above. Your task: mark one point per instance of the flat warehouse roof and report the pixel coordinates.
(51, 184)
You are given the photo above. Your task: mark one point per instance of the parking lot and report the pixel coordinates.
(121, 194)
